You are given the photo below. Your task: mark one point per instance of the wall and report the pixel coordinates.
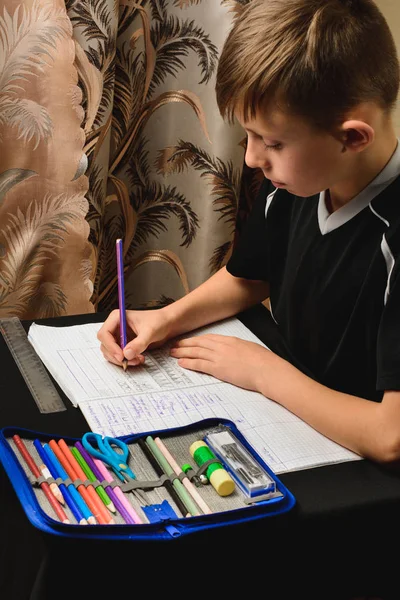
(390, 8)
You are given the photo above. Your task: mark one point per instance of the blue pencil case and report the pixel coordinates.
(211, 477)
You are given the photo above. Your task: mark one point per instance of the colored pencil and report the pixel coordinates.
(121, 298)
(47, 473)
(55, 490)
(74, 477)
(191, 507)
(36, 473)
(83, 511)
(91, 477)
(168, 483)
(185, 480)
(102, 515)
(110, 491)
(62, 487)
(120, 494)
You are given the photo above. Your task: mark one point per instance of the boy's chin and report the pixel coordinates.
(302, 193)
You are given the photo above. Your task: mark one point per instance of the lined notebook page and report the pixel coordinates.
(160, 395)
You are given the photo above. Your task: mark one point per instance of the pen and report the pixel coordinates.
(121, 298)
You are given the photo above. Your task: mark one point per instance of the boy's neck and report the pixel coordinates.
(366, 166)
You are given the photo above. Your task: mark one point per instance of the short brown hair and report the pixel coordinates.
(316, 58)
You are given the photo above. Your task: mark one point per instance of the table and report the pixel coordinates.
(338, 542)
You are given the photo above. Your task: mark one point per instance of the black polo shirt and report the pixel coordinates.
(334, 281)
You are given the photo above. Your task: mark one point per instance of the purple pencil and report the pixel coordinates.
(121, 297)
(117, 502)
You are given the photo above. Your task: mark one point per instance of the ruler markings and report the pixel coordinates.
(31, 367)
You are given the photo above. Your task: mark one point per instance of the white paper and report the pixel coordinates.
(161, 395)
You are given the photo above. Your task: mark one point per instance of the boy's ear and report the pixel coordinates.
(356, 135)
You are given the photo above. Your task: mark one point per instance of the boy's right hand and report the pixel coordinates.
(146, 329)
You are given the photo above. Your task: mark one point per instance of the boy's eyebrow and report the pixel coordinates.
(270, 137)
(250, 130)
(262, 133)
(255, 132)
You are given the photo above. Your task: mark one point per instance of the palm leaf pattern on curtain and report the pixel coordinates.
(35, 225)
(224, 180)
(127, 69)
(27, 39)
(129, 58)
(97, 23)
(33, 238)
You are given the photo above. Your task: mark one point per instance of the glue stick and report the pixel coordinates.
(219, 478)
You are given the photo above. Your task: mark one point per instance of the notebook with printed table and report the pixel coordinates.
(161, 484)
(160, 394)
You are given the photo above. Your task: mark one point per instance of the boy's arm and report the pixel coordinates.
(371, 429)
(221, 296)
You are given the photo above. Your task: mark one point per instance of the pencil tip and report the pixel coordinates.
(125, 364)
(111, 507)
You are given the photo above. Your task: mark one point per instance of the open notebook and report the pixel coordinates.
(161, 395)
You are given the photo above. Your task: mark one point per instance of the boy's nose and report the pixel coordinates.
(254, 157)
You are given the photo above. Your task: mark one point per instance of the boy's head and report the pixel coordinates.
(312, 58)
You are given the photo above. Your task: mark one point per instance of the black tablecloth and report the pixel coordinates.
(339, 541)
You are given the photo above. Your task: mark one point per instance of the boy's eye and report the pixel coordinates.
(272, 146)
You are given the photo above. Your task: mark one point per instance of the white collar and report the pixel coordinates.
(328, 222)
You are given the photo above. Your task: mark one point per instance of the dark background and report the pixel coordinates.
(340, 540)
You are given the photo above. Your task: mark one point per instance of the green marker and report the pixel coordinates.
(90, 475)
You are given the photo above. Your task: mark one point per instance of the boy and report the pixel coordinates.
(313, 83)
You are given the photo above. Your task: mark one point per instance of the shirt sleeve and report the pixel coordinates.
(249, 257)
(388, 343)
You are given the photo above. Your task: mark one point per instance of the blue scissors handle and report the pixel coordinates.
(102, 448)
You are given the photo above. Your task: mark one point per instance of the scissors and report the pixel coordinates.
(102, 448)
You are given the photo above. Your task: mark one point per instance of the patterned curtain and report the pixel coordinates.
(109, 129)
(45, 257)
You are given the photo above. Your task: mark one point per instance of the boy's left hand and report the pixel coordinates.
(240, 362)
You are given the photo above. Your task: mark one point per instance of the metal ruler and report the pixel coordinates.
(32, 369)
